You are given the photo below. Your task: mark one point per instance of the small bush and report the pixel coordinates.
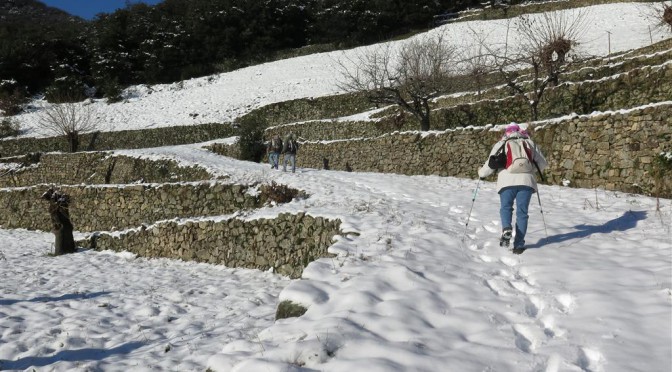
(251, 140)
(662, 170)
(12, 103)
(66, 91)
(110, 89)
(278, 193)
(9, 128)
(289, 309)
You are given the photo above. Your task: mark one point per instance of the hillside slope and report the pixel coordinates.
(224, 97)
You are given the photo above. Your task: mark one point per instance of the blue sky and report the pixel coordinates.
(87, 9)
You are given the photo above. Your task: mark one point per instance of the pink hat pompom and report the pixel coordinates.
(512, 128)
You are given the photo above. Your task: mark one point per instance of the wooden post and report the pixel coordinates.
(60, 219)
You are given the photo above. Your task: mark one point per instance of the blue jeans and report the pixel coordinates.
(273, 159)
(522, 196)
(291, 158)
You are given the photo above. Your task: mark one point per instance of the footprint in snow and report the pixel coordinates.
(590, 360)
(522, 286)
(526, 337)
(494, 286)
(534, 306)
(550, 328)
(486, 258)
(508, 261)
(552, 364)
(565, 302)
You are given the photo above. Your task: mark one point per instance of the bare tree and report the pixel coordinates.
(666, 15)
(545, 48)
(475, 60)
(409, 77)
(660, 12)
(70, 119)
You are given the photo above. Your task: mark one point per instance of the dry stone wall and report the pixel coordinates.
(588, 72)
(310, 109)
(115, 207)
(128, 139)
(99, 168)
(327, 130)
(286, 244)
(636, 88)
(615, 151)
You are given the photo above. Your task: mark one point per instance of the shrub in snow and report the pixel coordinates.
(9, 128)
(289, 309)
(251, 141)
(278, 193)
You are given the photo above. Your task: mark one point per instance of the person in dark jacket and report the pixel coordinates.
(274, 149)
(289, 149)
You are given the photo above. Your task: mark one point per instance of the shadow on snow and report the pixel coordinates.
(70, 356)
(627, 221)
(65, 297)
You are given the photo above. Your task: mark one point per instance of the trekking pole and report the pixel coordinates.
(542, 214)
(473, 201)
(539, 198)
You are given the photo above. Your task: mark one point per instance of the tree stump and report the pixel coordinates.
(60, 219)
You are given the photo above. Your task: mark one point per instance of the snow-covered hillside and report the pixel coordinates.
(414, 290)
(224, 97)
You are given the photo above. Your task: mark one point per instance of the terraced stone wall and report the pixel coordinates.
(128, 139)
(636, 88)
(98, 168)
(286, 244)
(115, 207)
(615, 151)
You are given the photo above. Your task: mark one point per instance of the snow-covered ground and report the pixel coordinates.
(416, 290)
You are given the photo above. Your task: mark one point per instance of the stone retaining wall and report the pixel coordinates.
(636, 88)
(615, 151)
(127, 139)
(99, 168)
(286, 244)
(116, 207)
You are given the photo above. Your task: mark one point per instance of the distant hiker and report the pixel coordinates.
(325, 163)
(348, 168)
(274, 149)
(516, 159)
(289, 148)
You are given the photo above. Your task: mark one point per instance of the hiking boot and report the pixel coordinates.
(506, 238)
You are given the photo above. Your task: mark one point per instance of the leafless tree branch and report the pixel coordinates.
(408, 77)
(70, 120)
(545, 49)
